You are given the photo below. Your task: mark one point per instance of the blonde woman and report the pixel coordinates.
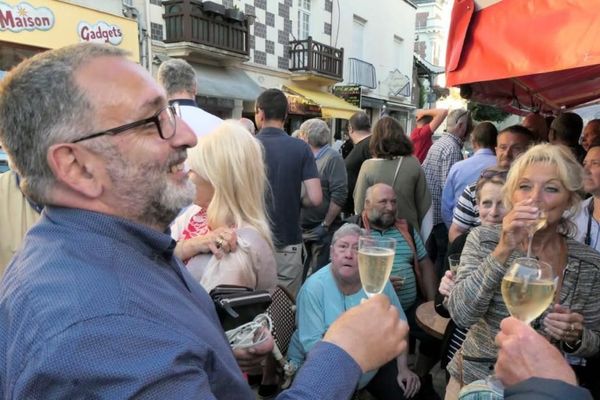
(225, 238)
(546, 176)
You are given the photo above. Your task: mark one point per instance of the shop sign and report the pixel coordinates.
(25, 17)
(300, 106)
(100, 32)
(350, 94)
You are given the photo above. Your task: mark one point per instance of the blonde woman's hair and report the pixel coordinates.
(231, 159)
(569, 171)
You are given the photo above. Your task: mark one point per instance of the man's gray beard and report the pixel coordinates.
(381, 220)
(145, 193)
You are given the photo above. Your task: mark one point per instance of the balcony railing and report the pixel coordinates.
(311, 56)
(191, 21)
(361, 73)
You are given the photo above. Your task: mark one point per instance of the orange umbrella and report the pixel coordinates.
(541, 55)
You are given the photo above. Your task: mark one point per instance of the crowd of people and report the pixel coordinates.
(130, 204)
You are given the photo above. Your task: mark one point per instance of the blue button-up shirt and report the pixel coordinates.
(95, 306)
(462, 174)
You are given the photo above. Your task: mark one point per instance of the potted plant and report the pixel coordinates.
(212, 7)
(235, 14)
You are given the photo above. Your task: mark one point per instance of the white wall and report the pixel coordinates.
(389, 18)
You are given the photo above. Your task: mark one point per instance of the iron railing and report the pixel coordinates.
(189, 21)
(361, 73)
(312, 56)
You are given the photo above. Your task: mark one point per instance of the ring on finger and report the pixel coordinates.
(572, 327)
(219, 243)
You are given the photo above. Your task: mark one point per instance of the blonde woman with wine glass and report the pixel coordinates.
(548, 177)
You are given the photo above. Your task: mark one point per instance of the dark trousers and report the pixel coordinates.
(437, 246)
(428, 345)
(384, 385)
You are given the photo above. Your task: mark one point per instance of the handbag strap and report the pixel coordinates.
(397, 169)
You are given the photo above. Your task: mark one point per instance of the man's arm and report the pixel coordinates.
(338, 188)
(454, 232)
(313, 194)
(438, 114)
(429, 278)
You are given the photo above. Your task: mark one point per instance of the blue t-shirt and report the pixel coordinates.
(319, 304)
(289, 162)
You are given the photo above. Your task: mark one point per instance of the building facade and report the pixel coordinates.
(378, 42)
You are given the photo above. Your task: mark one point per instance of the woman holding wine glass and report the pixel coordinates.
(543, 182)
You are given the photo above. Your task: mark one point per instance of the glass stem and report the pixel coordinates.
(529, 246)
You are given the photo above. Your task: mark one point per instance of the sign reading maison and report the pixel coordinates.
(25, 17)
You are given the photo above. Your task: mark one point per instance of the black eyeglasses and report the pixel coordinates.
(165, 121)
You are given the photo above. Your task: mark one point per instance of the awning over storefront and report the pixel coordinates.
(50, 24)
(331, 106)
(225, 83)
(536, 55)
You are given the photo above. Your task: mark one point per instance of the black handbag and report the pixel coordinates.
(237, 305)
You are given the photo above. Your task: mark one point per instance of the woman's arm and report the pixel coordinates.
(479, 277)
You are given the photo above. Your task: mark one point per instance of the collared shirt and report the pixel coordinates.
(289, 162)
(200, 121)
(334, 185)
(96, 306)
(444, 153)
(583, 220)
(461, 174)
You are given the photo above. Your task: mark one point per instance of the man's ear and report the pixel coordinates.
(77, 168)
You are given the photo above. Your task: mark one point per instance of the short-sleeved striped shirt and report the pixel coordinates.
(403, 263)
(466, 212)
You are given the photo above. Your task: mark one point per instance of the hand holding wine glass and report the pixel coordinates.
(375, 259)
(527, 290)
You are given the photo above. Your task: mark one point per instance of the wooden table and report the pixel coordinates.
(431, 321)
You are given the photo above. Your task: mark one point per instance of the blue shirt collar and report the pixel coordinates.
(148, 241)
(321, 151)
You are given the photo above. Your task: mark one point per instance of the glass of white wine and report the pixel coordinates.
(540, 223)
(375, 259)
(527, 290)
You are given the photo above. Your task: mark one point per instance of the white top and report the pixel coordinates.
(581, 220)
(200, 121)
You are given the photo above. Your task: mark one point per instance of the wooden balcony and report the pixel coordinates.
(202, 30)
(316, 61)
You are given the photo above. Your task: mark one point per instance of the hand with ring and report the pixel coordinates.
(564, 324)
(223, 240)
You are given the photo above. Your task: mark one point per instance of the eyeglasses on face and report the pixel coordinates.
(165, 120)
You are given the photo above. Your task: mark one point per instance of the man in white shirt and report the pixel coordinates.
(179, 80)
(588, 217)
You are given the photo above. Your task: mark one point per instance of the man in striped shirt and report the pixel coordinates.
(413, 274)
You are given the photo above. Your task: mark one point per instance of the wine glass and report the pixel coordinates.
(454, 262)
(540, 223)
(375, 259)
(527, 290)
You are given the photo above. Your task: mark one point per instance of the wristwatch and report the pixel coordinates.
(324, 225)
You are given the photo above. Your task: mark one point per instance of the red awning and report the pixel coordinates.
(532, 55)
